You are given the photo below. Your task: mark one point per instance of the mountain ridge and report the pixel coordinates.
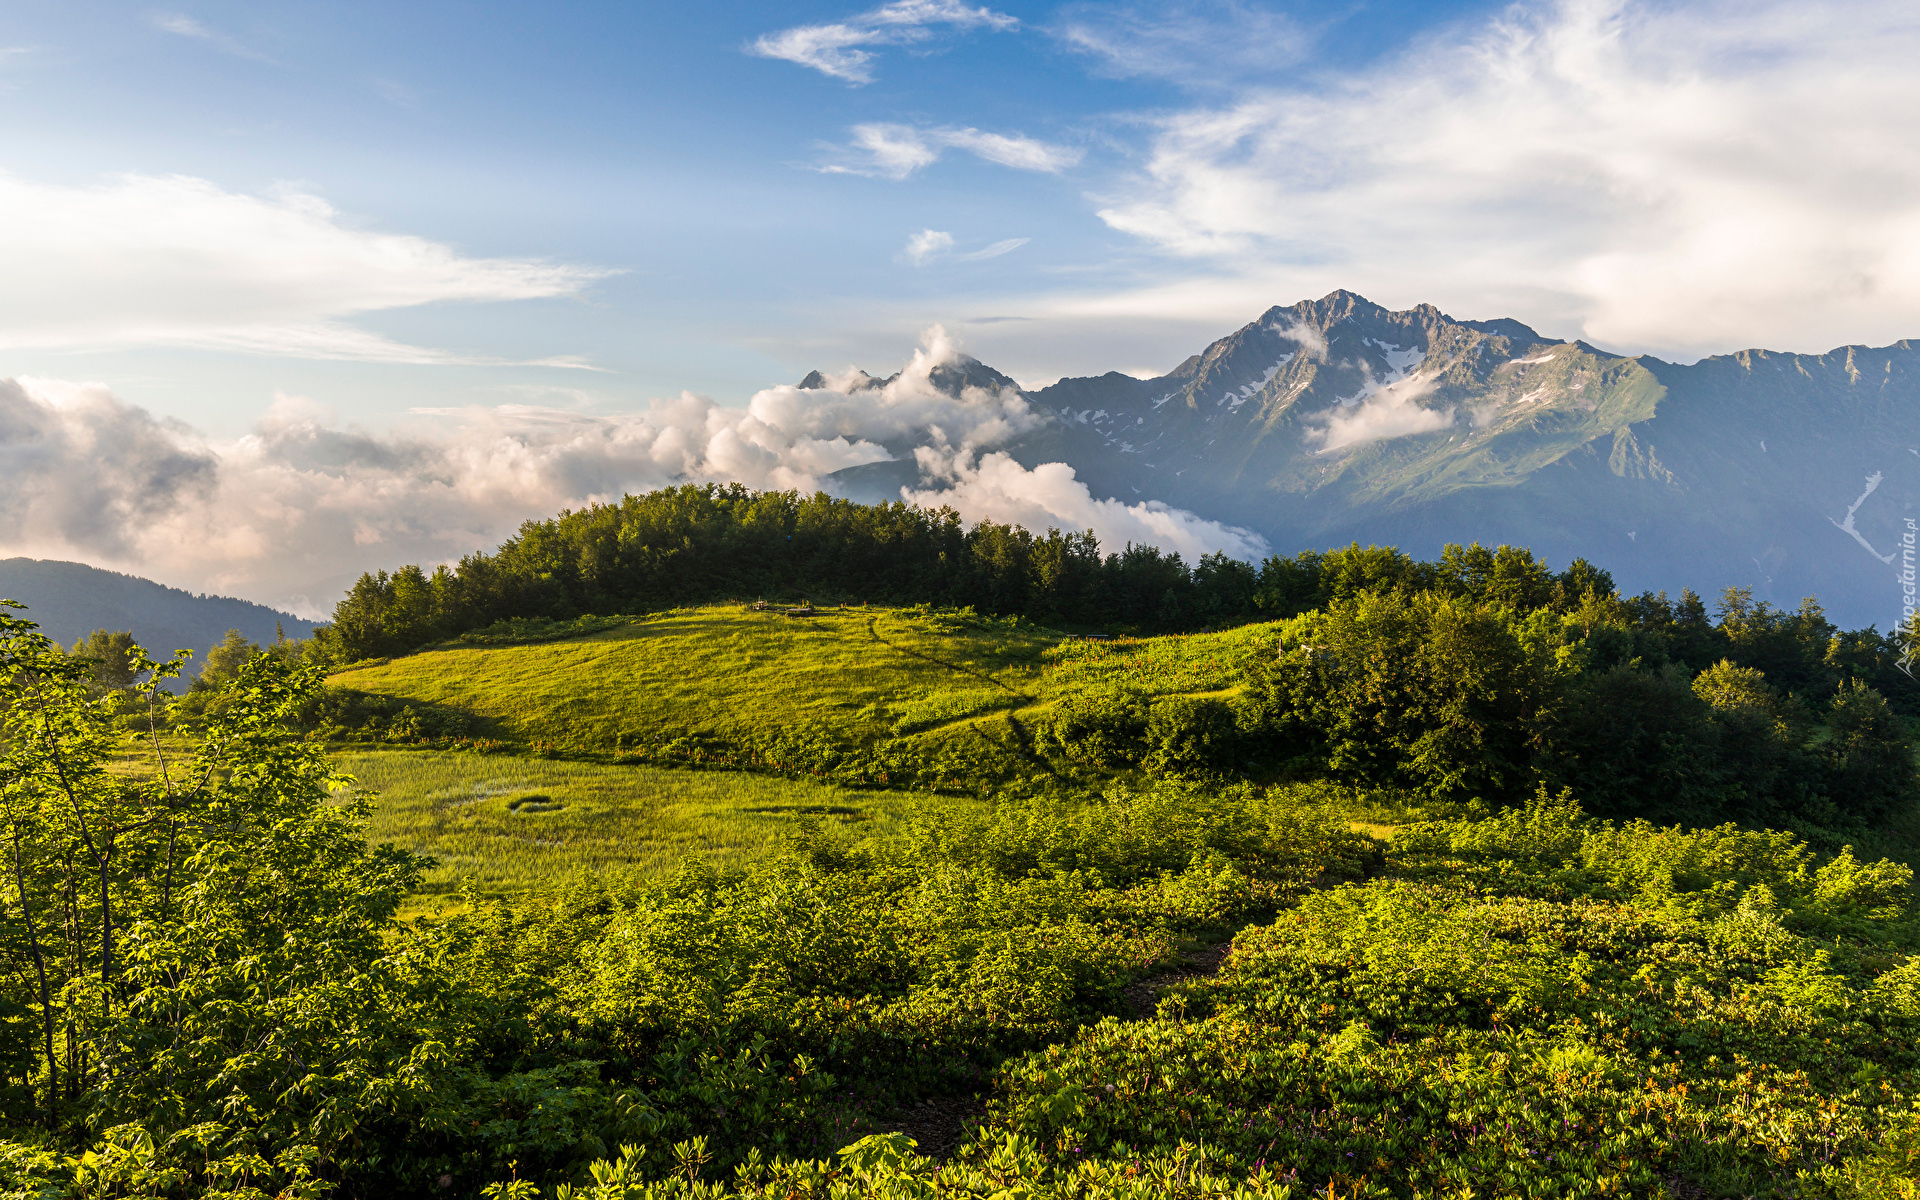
(69, 600)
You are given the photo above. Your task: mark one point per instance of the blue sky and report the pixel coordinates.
(296, 290)
(642, 139)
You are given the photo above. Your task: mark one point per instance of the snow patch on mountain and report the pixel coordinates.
(1846, 527)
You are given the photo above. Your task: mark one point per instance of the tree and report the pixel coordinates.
(1790, 647)
(206, 945)
(1432, 692)
(1637, 743)
(1759, 739)
(224, 661)
(1870, 770)
(111, 655)
(92, 851)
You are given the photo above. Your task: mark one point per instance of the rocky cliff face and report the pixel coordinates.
(1336, 419)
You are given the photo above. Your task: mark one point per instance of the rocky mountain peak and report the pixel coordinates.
(953, 378)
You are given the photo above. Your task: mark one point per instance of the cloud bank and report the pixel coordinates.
(1649, 176)
(291, 513)
(175, 261)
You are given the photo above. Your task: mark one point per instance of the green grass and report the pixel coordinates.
(506, 824)
(1177, 665)
(726, 673)
(761, 681)
(743, 686)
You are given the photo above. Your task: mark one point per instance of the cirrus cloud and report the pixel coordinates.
(889, 151)
(839, 49)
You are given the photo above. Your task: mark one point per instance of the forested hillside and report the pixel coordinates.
(1408, 879)
(71, 600)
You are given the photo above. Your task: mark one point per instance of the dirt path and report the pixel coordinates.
(939, 1124)
(1143, 996)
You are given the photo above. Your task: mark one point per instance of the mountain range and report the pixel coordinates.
(1337, 420)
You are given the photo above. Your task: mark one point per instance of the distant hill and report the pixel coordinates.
(69, 600)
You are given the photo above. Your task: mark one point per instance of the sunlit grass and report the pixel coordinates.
(747, 681)
(1182, 664)
(853, 675)
(506, 824)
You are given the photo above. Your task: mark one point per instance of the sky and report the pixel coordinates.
(310, 289)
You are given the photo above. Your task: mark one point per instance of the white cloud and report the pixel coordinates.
(291, 513)
(185, 26)
(1379, 411)
(1197, 44)
(1312, 342)
(892, 151)
(838, 49)
(887, 151)
(1020, 153)
(1684, 180)
(91, 467)
(932, 245)
(926, 244)
(995, 487)
(175, 261)
(996, 250)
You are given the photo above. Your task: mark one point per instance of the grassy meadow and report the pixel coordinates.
(737, 678)
(505, 824)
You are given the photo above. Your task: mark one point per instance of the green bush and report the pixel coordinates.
(1100, 728)
(1193, 736)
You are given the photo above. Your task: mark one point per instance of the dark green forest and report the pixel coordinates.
(1531, 889)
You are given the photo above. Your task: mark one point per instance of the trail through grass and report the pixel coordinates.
(506, 824)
